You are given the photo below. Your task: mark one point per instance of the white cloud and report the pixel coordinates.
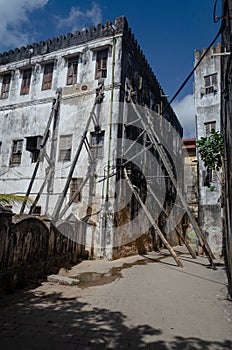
(185, 111)
(13, 15)
(78, 18)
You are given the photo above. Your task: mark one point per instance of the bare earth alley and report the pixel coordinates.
(140, 302)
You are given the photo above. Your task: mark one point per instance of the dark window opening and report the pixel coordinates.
(47, 77)
(72, 71)
(16, 154)
(65, 148)
(101, 64)
(26, 81)
(5, 86)
(33, 145)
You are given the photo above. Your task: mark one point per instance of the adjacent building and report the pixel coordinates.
(70, 124)
(226, 125)
(207, 93)
(191, 189)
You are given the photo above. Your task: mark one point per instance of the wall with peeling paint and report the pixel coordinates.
(23, 116)
(208, 107)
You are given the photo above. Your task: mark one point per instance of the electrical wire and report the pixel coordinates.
(215, 18)
(198, 63)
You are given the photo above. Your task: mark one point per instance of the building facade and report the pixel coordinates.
(207, 93)
(191, 188)
(226, 124)
(69, 127)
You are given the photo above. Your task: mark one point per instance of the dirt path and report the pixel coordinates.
(142, 302)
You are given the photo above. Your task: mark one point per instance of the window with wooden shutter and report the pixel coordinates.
(5, 86)
(101, 64)
(47, 77)
(72, 70)
(65, 148)
(208, 127)
(74, 187)
(16, 154)
(26, 81)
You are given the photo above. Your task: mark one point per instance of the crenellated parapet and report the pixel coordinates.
(64, 41)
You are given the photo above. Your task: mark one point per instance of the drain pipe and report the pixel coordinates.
(111, 119)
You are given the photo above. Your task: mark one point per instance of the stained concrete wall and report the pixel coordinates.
(208, 109)
(31, 249)
(23, 116)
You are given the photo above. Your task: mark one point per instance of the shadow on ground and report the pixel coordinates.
(36, 320)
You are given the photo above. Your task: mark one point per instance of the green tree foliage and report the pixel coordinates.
(211, 151)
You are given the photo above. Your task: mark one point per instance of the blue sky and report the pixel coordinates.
(167, 31)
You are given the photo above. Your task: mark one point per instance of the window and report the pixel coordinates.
(210, 83)
(72, 70)
(208, 128)
(16, 152)
(74, 186)
(47, 77)
(97, 143)
(65, 148)
(26, 80)
(101, 64)
(5, 85)
(33, 145)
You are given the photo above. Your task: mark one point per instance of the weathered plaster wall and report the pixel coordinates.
(208, 109)
(23, 116)
(30, 249)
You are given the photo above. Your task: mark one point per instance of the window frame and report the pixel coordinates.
(210, 83)
(5, 86)
(26, 81)
(101, 63)
(97, 139)
(74, 186)
(47, 75)
(16, 152)
(65, 152)
(72, 70)
(208, 126)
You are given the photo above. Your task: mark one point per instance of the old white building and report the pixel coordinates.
(208, 108)
(64, 122)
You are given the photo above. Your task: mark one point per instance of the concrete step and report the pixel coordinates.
(67, 281)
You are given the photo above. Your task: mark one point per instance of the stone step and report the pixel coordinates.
(67, 281)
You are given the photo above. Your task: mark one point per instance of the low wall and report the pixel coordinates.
(31, 249)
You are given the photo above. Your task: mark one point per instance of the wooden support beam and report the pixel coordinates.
(150, 218)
